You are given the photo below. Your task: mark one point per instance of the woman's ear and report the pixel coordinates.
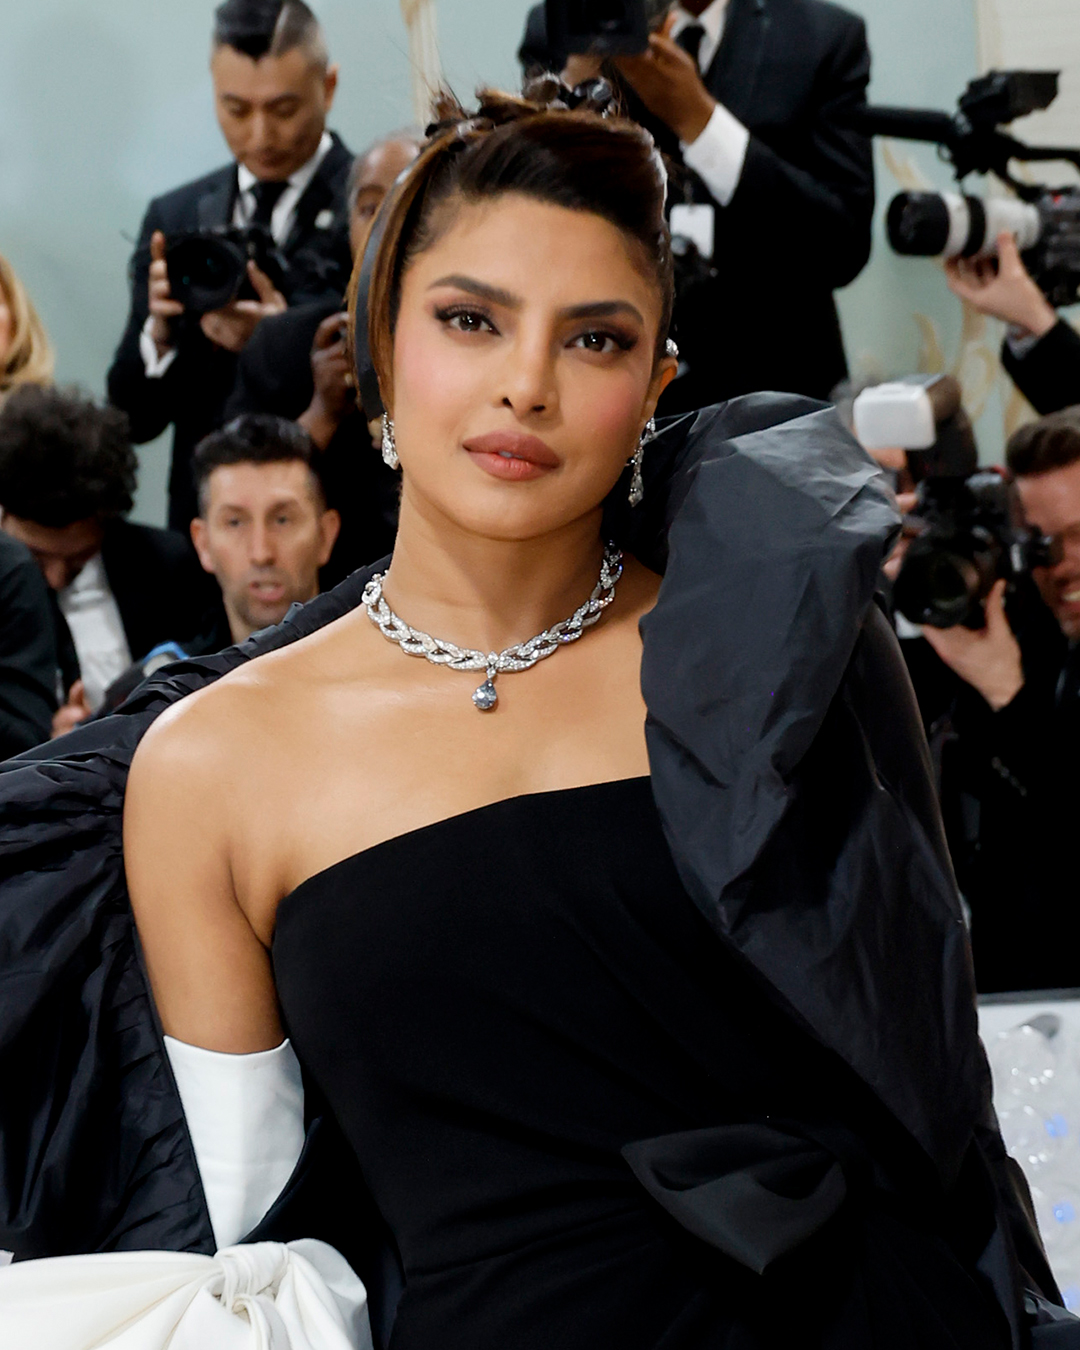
(665, 372)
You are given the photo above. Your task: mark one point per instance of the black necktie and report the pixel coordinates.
(267, 196)
(690, 40)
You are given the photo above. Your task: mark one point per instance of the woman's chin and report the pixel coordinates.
(510, 513)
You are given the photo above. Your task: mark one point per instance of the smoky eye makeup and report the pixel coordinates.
(473, 318)
(621, 340)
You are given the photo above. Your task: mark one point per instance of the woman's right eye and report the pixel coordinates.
(466, 320)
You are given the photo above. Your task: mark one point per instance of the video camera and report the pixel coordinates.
(967, 526)
(603, 27)
(1045, 221)
(208, 268)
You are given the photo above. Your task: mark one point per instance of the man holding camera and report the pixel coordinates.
(1004, 718)
(775, 190)
(1041, 351)
(297, 365)
(273, 89)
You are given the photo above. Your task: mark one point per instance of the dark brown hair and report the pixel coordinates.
(576, 158)
(1050, 443)
(256, 438)
(259, 28)
(64, 457)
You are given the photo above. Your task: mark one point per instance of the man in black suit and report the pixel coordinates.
(1041, 351)
(67, 474)
(754, 97)
(273, 88)
(297, 366)
(1002, 708)
(27, 652)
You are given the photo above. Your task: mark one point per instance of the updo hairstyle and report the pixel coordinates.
(576, 158)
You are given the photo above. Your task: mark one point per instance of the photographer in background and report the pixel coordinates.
(67, 476)
(273, 89)
(755, 97)
(1002, 706)
(1041, 352)
(297, 365)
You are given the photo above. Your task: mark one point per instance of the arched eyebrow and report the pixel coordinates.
(495, 295)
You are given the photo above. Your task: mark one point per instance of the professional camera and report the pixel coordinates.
(967, 526)
(208, 268)
(970, 536)
(603, 27)
(1046, 222)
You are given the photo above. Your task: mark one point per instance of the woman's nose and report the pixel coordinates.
(528, 381)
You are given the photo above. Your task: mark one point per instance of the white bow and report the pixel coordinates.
(261, 1296)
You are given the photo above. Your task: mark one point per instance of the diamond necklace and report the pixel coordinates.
(521, 656)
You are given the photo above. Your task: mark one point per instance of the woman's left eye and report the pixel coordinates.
(605, 343)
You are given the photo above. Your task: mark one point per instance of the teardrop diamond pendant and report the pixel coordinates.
(485, 697)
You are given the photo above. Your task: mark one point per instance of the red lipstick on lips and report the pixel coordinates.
(511, 455)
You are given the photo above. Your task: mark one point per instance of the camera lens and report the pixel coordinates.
(205, 273)
(937, 586)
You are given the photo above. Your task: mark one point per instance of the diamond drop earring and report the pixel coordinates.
(637, 484)
(389, 446)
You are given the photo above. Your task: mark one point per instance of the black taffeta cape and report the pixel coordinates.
(793, 782)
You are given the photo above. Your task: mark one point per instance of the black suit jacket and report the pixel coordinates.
(1048, 374)
(274, 375)
(160, 589)
(191, 395)
(799, 223)
(1009, 796)
(27, 652)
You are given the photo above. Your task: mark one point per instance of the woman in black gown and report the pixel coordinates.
(643, 1033)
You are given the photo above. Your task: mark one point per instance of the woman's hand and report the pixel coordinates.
(1005, 290)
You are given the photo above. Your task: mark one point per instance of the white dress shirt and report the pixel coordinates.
(96, 630)
(718, 154)
(281, 222)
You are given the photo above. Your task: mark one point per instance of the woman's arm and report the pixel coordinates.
(209, 972)
(239, 1082)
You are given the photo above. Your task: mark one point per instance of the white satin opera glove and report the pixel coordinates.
(245, 1116)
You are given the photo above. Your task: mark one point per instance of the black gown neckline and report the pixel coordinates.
(420, 831)
(496, 1005)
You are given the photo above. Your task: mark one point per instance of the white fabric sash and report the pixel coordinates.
(259, 1296)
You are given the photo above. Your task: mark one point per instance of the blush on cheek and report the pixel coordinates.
(609, 416)
(432, 380)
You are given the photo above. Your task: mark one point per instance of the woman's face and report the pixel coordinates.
(7, 324)
(523, 367)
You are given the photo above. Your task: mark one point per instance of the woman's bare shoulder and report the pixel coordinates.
(231, 717)
(205, 728)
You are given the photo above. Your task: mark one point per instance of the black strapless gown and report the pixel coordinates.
(496, 1004)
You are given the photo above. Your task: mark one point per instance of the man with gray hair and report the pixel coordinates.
(273, 89)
